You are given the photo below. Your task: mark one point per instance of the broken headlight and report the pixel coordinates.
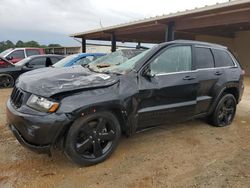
(42, 104)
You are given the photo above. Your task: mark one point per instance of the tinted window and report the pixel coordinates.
(17, 54)
(38, 62)
(222, 58)
(54, 59)
(32, 52)
(204, 58)
(175, 59)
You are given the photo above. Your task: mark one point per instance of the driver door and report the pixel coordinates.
(168, 90)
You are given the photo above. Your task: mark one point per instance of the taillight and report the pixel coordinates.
(243, 72)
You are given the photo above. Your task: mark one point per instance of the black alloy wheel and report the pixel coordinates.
(6, 81)
(225, 111)
(93, 138)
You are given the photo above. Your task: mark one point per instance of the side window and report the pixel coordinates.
(222, 58)
(54, 59)
(38, 62)
(84, 60)
(31, 52)
(175, 59)
(203, 58)
(17, 54)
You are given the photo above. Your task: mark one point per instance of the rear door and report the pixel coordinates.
(208, 77)
(170, 94)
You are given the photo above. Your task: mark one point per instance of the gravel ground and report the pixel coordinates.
(190, 154)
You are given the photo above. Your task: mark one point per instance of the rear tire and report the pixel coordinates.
(224, 112)
(92, 139)
(6, 81)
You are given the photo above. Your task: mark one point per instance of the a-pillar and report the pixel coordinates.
(83, 45)
(113, 43)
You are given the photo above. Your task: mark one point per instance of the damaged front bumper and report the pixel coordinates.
(22, 141)
(35, 132)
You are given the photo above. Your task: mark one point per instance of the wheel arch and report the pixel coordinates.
(118, 110)
(231, 89)
(234, 91)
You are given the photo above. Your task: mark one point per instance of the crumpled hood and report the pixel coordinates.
(49, 81)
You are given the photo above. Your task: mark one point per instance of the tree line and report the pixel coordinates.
(20, 44)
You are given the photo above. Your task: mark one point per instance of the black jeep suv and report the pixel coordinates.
(85, 111)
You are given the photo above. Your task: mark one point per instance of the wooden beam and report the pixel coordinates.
(213, 20)
(146, 28)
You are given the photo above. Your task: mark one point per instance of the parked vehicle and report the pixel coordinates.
(115, 58)
(88, 111)
(17, 54)
(5, 63)
(78, 59)
(10, 72)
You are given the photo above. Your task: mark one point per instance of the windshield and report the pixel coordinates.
(65, 60)
(126, 66)
(114, 58)
(22, 62)
(5, 52)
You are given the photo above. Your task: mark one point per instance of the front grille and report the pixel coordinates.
(16, 97)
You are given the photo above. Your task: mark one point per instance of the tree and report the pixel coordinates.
(9, 44)
(19, 44)
(32, 44)
(54, 45)
(2, 46)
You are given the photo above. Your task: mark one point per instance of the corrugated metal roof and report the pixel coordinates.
(167, 16)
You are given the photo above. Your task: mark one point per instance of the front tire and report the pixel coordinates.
(224, 112)
(92, 139)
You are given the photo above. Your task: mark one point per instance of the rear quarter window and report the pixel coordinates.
(222, 58)
(55, 59)
(31, 52)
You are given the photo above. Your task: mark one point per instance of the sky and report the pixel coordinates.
(52, 21)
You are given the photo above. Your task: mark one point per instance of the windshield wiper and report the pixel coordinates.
(103, 65)
(85, 65)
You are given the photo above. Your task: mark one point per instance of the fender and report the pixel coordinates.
(231, 85)
(118, 109)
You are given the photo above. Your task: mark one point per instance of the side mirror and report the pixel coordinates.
(29, 65)
(9, 58)
(147, 73)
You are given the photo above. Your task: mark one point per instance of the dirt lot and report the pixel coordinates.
(191, 154)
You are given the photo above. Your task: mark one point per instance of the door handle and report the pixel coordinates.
(218, 73)
(189, 78)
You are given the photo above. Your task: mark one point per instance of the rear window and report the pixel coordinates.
(31, 52)
(204, 58)
(222, 58)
